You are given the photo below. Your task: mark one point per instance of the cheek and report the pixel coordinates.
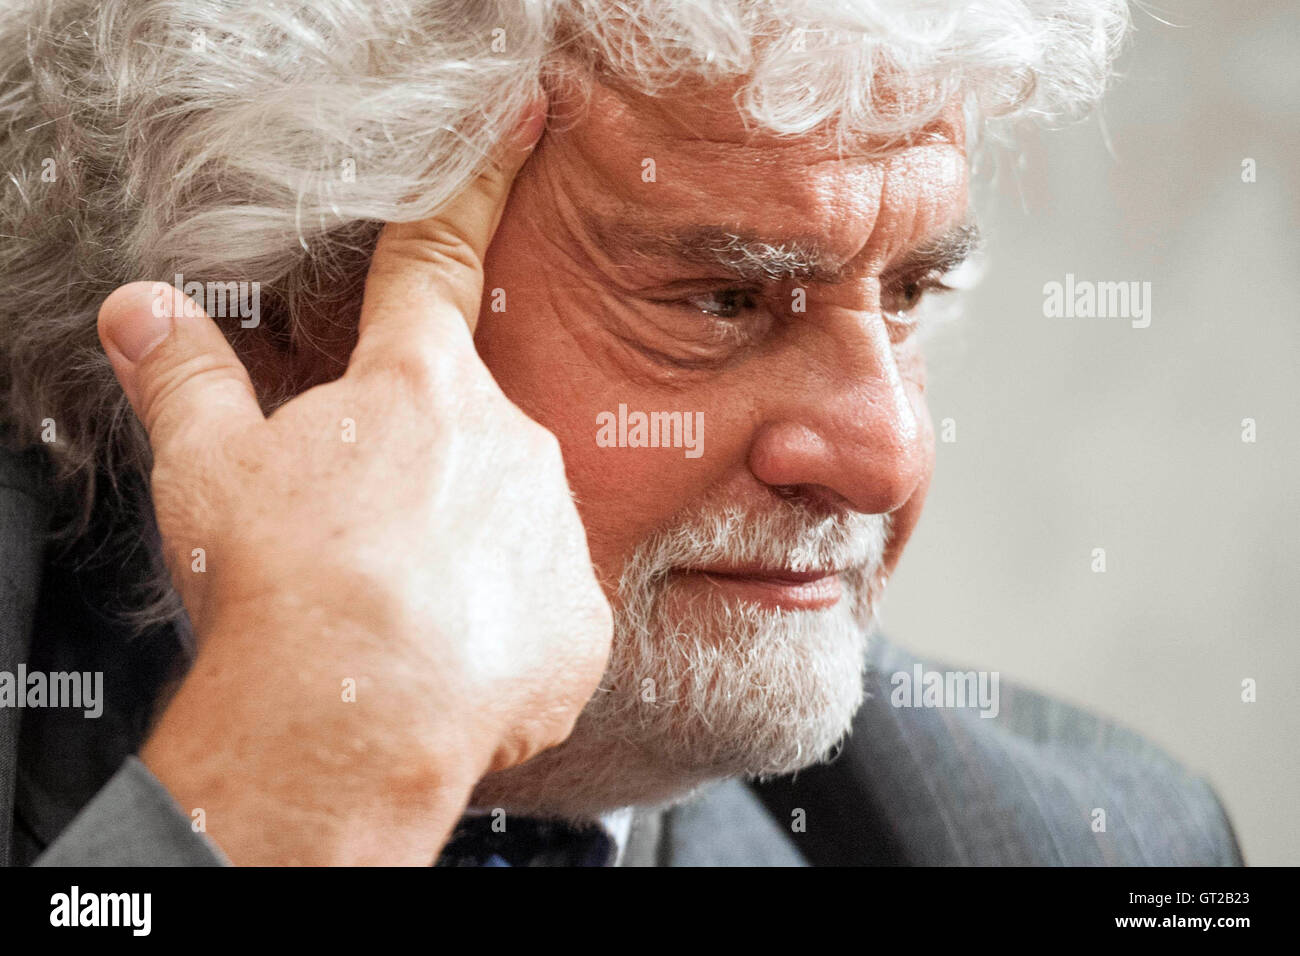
(544, 363)
(910, 361)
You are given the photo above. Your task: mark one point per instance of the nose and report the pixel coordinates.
(843, 427)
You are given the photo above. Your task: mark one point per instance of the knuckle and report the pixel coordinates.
(414, 371)
(556, 722)
(601, 615)
(438, 247)
(423, 363)
(543, 448)
(435, 259)
(420, 369)
(160, 387)
(596, 622)
(563, 728)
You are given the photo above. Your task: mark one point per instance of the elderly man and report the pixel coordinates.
(543, 485)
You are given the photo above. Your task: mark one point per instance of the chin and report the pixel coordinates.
(705, 683)
(725, 691)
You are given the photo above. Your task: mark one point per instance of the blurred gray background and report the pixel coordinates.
(1075, 434)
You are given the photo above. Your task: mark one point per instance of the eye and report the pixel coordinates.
(903, 296)
(723, 303)
(910, 296)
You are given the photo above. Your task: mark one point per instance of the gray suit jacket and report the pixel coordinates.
(911, 786)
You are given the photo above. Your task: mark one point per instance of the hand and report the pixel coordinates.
(435, 563)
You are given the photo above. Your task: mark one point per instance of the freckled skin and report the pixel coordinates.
(822, 401)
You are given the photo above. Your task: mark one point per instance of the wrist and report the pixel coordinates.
(287, 770)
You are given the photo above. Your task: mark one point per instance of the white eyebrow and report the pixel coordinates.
(752, 257)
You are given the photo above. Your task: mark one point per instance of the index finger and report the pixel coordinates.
(427, 275)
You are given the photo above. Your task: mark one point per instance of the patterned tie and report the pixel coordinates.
(524, 841)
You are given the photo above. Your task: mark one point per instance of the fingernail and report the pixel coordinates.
(138, 318)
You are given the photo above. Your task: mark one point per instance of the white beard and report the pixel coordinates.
(700, 688)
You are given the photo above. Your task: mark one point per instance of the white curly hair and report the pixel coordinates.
(146, 138)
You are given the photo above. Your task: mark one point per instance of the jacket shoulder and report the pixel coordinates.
(1030, 781)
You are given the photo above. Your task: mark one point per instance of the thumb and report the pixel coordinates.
(181, 375)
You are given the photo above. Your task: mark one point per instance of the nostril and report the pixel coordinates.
(816, 501)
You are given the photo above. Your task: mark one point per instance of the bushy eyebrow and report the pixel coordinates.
(755, 258)
(942, 254)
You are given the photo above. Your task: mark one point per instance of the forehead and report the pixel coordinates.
(688, 158)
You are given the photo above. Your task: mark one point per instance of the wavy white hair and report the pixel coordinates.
(146, 138)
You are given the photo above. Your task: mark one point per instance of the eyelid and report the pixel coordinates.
(688, 288)
(959, 276)
(757, 293)
(896, 278)
(927, 283)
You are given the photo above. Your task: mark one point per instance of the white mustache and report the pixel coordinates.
(793, 538)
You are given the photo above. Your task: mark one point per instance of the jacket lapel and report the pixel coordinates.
(24, 517)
